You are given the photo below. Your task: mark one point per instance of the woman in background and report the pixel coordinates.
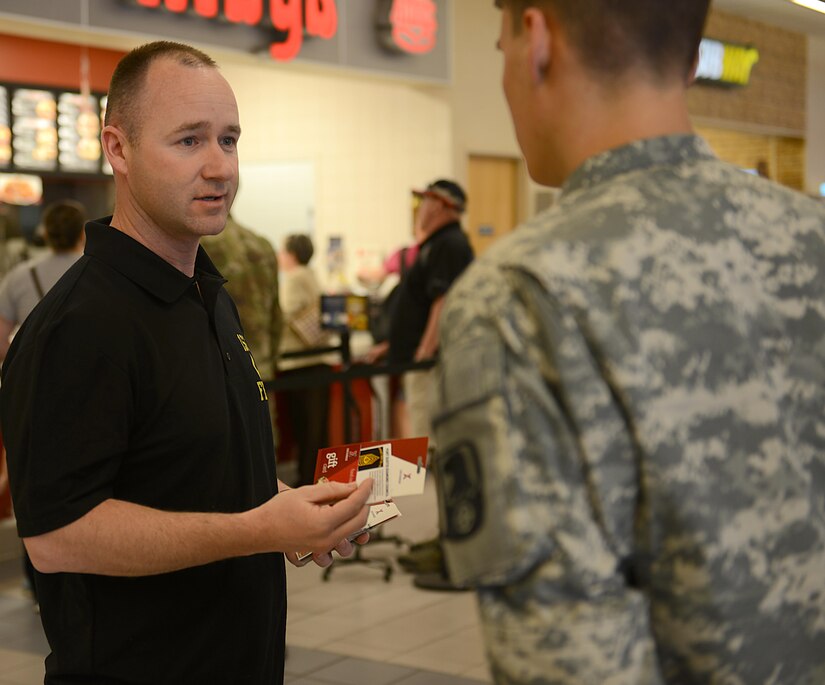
(307, 409)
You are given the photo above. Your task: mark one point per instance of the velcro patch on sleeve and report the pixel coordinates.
(460, 479)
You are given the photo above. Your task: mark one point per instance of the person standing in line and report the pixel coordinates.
(443, 254)
(631, 466)
(308, 407)
(137, 426)
(24, 286)
(249, 264)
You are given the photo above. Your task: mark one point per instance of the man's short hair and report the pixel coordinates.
(300, 246)
(63, 223)
(613, 36)
(129, 77)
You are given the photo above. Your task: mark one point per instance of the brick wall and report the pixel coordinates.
(775, 97)
(783, 156)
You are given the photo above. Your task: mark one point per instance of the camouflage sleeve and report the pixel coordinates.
(276, 318)
(518, 515)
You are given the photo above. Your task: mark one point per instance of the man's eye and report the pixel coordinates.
(189, 141)
(229, 141)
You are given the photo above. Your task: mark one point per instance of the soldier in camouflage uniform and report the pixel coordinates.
(250, 265)
(631, 397)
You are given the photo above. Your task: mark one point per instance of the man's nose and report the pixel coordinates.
(220, 163)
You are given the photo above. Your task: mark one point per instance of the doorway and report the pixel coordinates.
(493, 191)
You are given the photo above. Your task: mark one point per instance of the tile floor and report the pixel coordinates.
(353, 629)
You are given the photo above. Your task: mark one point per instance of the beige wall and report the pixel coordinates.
(481, 119)
(370, 142)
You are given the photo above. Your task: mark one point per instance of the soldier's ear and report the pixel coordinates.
(693, 69)
(540, 39)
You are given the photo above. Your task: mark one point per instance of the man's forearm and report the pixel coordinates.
(123, 539)
(119, 538)
(428, 345)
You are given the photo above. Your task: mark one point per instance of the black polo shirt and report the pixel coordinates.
(441, 259)
(132, 381)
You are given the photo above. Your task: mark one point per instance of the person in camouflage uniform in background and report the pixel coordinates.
(249, 263)
(631, 400)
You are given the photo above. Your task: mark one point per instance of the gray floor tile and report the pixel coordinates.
(33, 642)
(362, 672)
(301, 661)
(428, 678)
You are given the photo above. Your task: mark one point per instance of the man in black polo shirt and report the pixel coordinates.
(138, 435)
(443, 255)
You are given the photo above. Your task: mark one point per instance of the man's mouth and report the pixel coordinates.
(209, 198)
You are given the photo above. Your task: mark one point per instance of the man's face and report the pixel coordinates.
(430, 215)
(182, 169)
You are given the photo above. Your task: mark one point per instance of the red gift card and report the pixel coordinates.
(397, 467)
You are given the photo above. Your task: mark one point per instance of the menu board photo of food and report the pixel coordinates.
(5, 129)
(20, 189)
(34, 131)
(78, 132)
(47, 130)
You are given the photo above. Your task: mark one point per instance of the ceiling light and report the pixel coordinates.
(816, 5)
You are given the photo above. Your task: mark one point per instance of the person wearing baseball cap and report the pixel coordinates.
(443, 255)
(449, 192)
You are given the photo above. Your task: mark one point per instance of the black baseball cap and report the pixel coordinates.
(447, 191)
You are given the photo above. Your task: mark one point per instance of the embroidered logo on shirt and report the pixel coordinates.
(261, 388)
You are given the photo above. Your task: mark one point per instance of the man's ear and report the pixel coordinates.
(534, 23)
(693, 69)
(116, 148)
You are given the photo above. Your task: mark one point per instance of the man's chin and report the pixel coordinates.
(212, 226)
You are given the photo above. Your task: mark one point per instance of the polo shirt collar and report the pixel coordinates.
(143, 267)
(641, 154)
(440, 231)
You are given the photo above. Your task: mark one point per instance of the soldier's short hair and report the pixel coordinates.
(613, 36)
(300, 246)
(129, 78)
(63, 223)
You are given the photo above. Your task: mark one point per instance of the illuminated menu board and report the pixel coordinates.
(78, 133)
(51, 131)
(34, 130)
(5, 129)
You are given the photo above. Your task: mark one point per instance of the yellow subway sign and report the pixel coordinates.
(725, 63)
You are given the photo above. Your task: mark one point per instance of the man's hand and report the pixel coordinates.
(376, 352)
(425, 351)
(344, 548)
(315, 517)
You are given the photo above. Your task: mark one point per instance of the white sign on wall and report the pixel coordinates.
(276, 199)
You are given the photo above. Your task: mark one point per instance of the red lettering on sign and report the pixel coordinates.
(286, 16)
(322, 18)
(414, 25)
(177, 5)
(244, 11)
(208, 9)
